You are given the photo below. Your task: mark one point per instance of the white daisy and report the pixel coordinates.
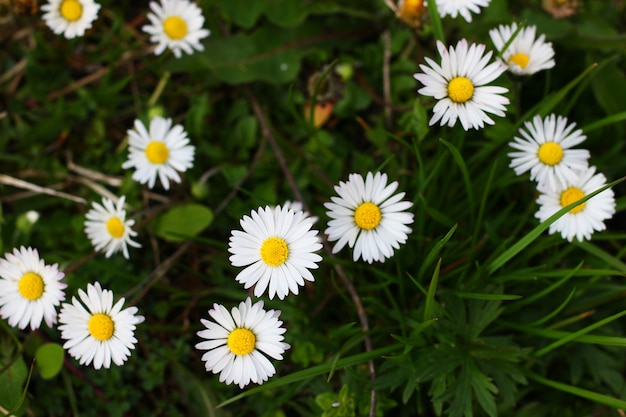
(162, 151)
(367, 217)
(453, 8)
(30, 290)
(460, 86)
(298, 206)
(177, 25)
(107, 227)
(525, 55)
(101, 332)
(545, 151)
(236, 343)
(277, 245)
(584, 219)
(70, 17)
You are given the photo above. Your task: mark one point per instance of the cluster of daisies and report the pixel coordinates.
(174, 24)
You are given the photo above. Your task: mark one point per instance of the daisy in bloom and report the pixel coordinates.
(277, 248)
(453, 8)
(160, 151)
(459, 84)
(107, 227)
(96, 330)
(585, 218)
(237, 342)
(30, 290)
(177, 25)
(70, 17)
(525, 55)
(545, 151)
(367, 217)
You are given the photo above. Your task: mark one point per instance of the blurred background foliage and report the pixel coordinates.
(454, 332)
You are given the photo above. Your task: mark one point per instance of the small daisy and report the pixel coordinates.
(411, 12)
(459, 85)
(367, 217)
(107, 227)
(545, 151)
(525, 55)
(177, 25)
(236, 343)
(101, 332)
(298, 206)
(161, 152)
(277, 246)
(70, 17)
(30, 290)
(584, 219)
(453, 8)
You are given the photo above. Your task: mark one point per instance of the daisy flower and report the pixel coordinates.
(453, 8)
(585, 218)
(177, 25)
(525, 55)
(459, 84)
(30, 290)
(107, 227)
(96, 330)
(411, 11)
(161, 151)
(70, 17)
(367, 217)
(237, 342)
(277, 247)
(545, 151)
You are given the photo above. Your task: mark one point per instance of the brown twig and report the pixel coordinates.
(16, 182)
(386, 77)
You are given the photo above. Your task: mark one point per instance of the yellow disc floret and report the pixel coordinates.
(157, 152)
(71, 10)
(175, 27)
(31, 286)
(101, 326)
(241, 341)
(274, 251)
(115, 227)
(520, 59)
(572, 194)
(367, 216)
(460, 89)
(550, 153)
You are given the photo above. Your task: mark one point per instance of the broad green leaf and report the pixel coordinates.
(49, 359)
(182, 222)
(12, 383)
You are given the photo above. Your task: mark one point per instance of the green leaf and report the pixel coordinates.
(49, 358)
(182, 222)
(12, 383)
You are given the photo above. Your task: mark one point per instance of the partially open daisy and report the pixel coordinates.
(459, 84)
(546, 151)
(453, 8)
(237, 343)
(525, 55)
(277, 246)
(108, 229)
(585, 218)
(411, 11)
(70, 17)
(30, 290)
(367, 217)
(96, 330)
(177, 25)
(162, 151)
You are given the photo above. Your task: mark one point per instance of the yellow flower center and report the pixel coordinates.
(274, 251)
(31, 286)
(550, 153)
(367, 216)
(571, 195)
(460, 89)
(520, 59)
(101, 326)
(175, 27)
(115, 227)
(71, 10)
(157, 152)
(241, 341)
